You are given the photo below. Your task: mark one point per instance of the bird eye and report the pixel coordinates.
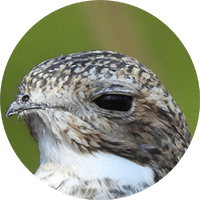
(114, 102)
(25, 98)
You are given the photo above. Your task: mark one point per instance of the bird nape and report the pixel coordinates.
(106, 127)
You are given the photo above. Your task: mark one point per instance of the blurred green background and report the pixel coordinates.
(99, 25)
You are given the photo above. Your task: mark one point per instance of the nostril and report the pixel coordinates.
(25, 98)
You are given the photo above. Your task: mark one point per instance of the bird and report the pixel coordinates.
(105, 125)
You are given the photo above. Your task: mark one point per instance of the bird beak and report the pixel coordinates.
(15, 108)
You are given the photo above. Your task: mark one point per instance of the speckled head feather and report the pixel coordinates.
(101, 103)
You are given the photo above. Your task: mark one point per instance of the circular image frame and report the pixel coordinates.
(28, 58)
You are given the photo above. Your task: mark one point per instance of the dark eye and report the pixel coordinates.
(25, 98)
(114, 102)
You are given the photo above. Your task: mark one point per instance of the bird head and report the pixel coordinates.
(104, 101)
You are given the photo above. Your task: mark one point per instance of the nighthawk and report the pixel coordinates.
(106, 127)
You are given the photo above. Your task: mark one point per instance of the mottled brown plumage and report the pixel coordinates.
(69, 102)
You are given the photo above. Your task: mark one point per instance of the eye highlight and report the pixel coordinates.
(25, 98)
(116, 102)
